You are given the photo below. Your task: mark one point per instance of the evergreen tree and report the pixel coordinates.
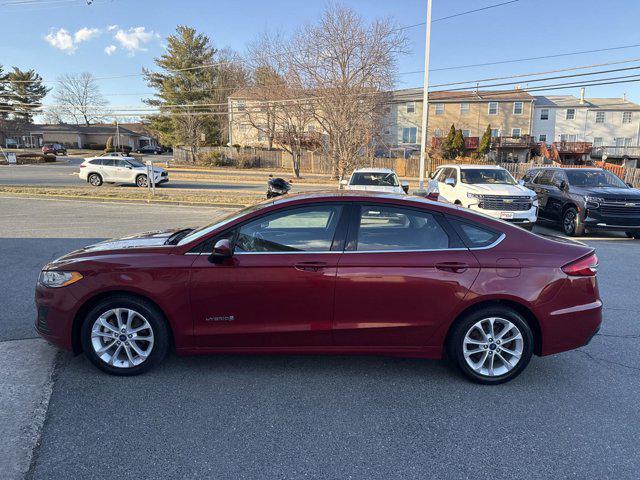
(446, 148)
(109, 146)
(457, 146)
(183, 81)
(26, 93)
(485, 143)
(5, 107)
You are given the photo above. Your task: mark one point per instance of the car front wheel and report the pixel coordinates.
(141, 181)
(571, 224)
(125, 335)
(492, 345)
(95, 179)
(635, 235)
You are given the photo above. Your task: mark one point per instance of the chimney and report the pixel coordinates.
(624, 97)
(582, 95)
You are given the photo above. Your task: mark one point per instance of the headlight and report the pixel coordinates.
(474, 195)
(56, 279)
(594, 201)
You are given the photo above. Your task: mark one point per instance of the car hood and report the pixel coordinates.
(376, 188)
(139, 240)
(491, 189)
(610, 194)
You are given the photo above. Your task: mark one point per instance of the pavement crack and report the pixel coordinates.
(604, 360)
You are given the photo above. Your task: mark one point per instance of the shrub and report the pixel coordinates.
(247, 160)
(214, 159)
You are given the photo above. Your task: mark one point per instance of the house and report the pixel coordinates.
(606, 126)
(147, 137)
(509, 112)
(81, 136)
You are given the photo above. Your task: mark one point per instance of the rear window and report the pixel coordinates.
(96, 162)
(377, 179)
(474, 235)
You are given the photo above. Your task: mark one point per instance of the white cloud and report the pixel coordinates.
(110, 49)
(134, 38)
(111, 28)
(85, 34)
(62, 40)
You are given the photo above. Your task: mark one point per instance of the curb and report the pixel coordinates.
(123, 200)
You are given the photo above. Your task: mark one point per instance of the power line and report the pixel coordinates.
(459, 14)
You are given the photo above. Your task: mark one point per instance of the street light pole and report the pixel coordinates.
(425, 98)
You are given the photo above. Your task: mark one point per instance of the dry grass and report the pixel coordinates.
(182, 196)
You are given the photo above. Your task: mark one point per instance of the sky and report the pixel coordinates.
(119, 37)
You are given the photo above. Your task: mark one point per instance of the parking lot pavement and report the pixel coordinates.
(573, 415)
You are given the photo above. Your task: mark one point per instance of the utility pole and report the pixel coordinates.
(425, 98)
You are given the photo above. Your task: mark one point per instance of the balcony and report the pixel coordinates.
(573, 148)
(605, 152)
(523, 141)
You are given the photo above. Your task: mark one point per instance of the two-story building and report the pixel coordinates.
(602, 122)
(508, 112)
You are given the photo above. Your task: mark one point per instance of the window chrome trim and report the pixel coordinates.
(490, 246)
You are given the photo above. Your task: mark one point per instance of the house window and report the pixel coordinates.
(464, 108)
(544, 114)
(262, 133)
(311, 129)
(623, 142)
(466, 133)
(600, 117)
(411, 107)
(495, 132)
(437, 133)
(493, 108)
(409, 134)
(241, 105)
(571, 113)
(515, 133)
(542, 138)
(626, 117)
(517, 108)
(597, 141)
(439, 108)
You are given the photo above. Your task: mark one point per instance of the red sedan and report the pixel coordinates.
(345, 272)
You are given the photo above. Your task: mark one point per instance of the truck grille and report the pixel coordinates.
(511, 203)
(621, 209)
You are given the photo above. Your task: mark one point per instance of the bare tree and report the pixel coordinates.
(78, 100)
(348, 65)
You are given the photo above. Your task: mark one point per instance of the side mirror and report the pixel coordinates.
(221, 251)
(344, 183)
(405, 186)
(450, 181)
(563, 185)
(630, 185)
(521, 182)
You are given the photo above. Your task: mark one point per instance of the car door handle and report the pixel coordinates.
(310, 266)
(455, 267)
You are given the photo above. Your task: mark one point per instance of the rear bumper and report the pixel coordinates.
(571, 328)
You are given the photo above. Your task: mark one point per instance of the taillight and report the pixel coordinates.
(584, 267)
(82, 166)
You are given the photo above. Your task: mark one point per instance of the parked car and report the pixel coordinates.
(375, 180)
(150, 150)
(116, 168)
(54, 148)
(488, 189)
(346, 272)
(582, 199)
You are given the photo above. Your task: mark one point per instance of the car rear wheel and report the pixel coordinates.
(492, 345)
(635, 235)
(125, 335)
(141, 181)
(571, 224)
(95, 179)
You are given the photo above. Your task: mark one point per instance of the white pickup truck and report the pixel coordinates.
(488, 189)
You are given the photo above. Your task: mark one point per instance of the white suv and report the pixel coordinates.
(375, 180)
(116, 168)
(488, 189)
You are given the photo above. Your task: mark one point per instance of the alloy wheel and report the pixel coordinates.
(569, 222)
(122, 337)
(142, 181)
(493, 346)
(94, 180)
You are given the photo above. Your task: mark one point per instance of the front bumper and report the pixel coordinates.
(596, 219)
(525, 218)
(56, 309)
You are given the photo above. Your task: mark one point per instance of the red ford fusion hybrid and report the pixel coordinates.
(346, 272)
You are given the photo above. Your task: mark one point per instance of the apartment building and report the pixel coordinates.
(509, 112)
(602, 122)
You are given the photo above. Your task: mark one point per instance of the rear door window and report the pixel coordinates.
(545, 178)
(390, 228)
(473, 234)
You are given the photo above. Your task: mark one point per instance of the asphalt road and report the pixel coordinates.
(573, 415)
(65, 175)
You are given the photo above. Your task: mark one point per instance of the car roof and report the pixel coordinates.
(568, 169)
(373, 170)
(465, 166)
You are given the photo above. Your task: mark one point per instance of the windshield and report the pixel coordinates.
(220, 221)
(594, 178)
(135, 163)
(497, 176)
(375, 179)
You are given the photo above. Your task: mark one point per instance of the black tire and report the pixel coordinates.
(455, 347)
(635, 235)
(141, 181)
(94, 179)
(571, 224)
(528, 227)
(150, 312)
